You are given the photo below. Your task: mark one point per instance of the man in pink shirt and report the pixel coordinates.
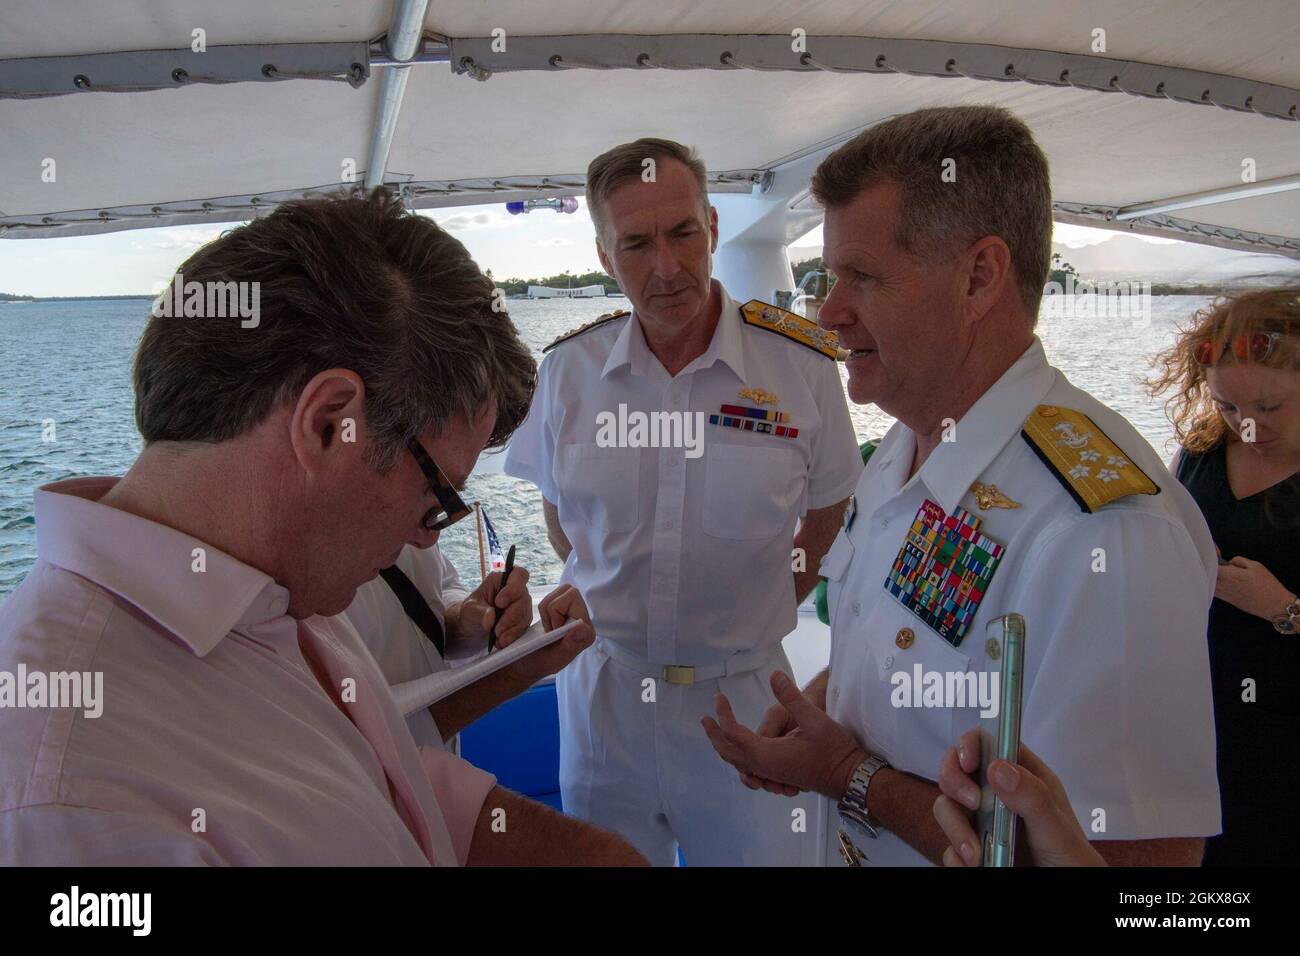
(287, 460)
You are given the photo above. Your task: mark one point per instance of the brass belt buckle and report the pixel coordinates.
(849, 852)
(678, 674)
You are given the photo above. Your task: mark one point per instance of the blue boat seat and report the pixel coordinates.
(520, 743)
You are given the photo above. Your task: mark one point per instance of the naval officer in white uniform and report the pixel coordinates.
(1059, 511)
(683, 553)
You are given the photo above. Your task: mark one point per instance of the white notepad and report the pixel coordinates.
(415, 695)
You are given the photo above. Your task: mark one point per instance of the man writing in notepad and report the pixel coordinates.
(407, 645)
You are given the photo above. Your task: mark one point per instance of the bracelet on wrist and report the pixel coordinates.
(1289, 621)
(853, 805)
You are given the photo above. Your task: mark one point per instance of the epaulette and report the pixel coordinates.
(594, 323)
(794, 327)
(1084, 460)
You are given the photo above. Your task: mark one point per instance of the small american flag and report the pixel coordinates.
(496, 560)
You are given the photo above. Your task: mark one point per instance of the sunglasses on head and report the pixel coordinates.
(450, 507)
(1255, 347)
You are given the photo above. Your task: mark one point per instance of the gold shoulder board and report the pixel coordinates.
(793, 327)
(594, 323)
(1087, 463)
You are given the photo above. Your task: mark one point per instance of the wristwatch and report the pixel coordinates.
(1289, 622)
(853, 805)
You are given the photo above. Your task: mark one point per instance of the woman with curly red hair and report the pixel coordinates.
(1235, 376)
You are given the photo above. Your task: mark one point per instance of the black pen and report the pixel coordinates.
(505, 576)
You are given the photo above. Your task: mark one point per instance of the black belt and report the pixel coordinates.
(416, 607)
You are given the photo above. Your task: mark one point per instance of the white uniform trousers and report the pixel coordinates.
(641, 765)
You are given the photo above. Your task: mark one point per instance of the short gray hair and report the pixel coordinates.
(1002, 186)
(616, 166)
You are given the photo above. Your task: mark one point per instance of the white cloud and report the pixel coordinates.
(182, 238)
(556, 241)
(579, 218)
(813, 237)
(460, 222)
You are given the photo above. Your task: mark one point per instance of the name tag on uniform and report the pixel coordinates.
(943, 570)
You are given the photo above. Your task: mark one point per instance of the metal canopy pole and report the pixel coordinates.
(1164, 226)
(476, 57)
(420, 194)
(136, 71)
(403, 41)
(1207, 198)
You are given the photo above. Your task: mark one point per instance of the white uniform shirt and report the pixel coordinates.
(1116, 692)
(686, 560)
(401, 649)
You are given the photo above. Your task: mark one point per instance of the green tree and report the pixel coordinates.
(1061, 270)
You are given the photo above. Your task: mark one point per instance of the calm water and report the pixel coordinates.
(70, 362)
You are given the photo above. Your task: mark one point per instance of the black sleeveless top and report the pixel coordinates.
(1258, 742)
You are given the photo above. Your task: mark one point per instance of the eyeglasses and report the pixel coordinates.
(1254, 347)
(450, 507)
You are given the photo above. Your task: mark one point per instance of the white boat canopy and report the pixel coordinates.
(1170, 117)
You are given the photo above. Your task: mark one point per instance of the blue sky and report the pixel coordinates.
(139, 261)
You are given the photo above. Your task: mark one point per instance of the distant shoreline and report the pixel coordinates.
(6, 299)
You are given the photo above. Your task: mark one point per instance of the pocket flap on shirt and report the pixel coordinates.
(836, 560)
